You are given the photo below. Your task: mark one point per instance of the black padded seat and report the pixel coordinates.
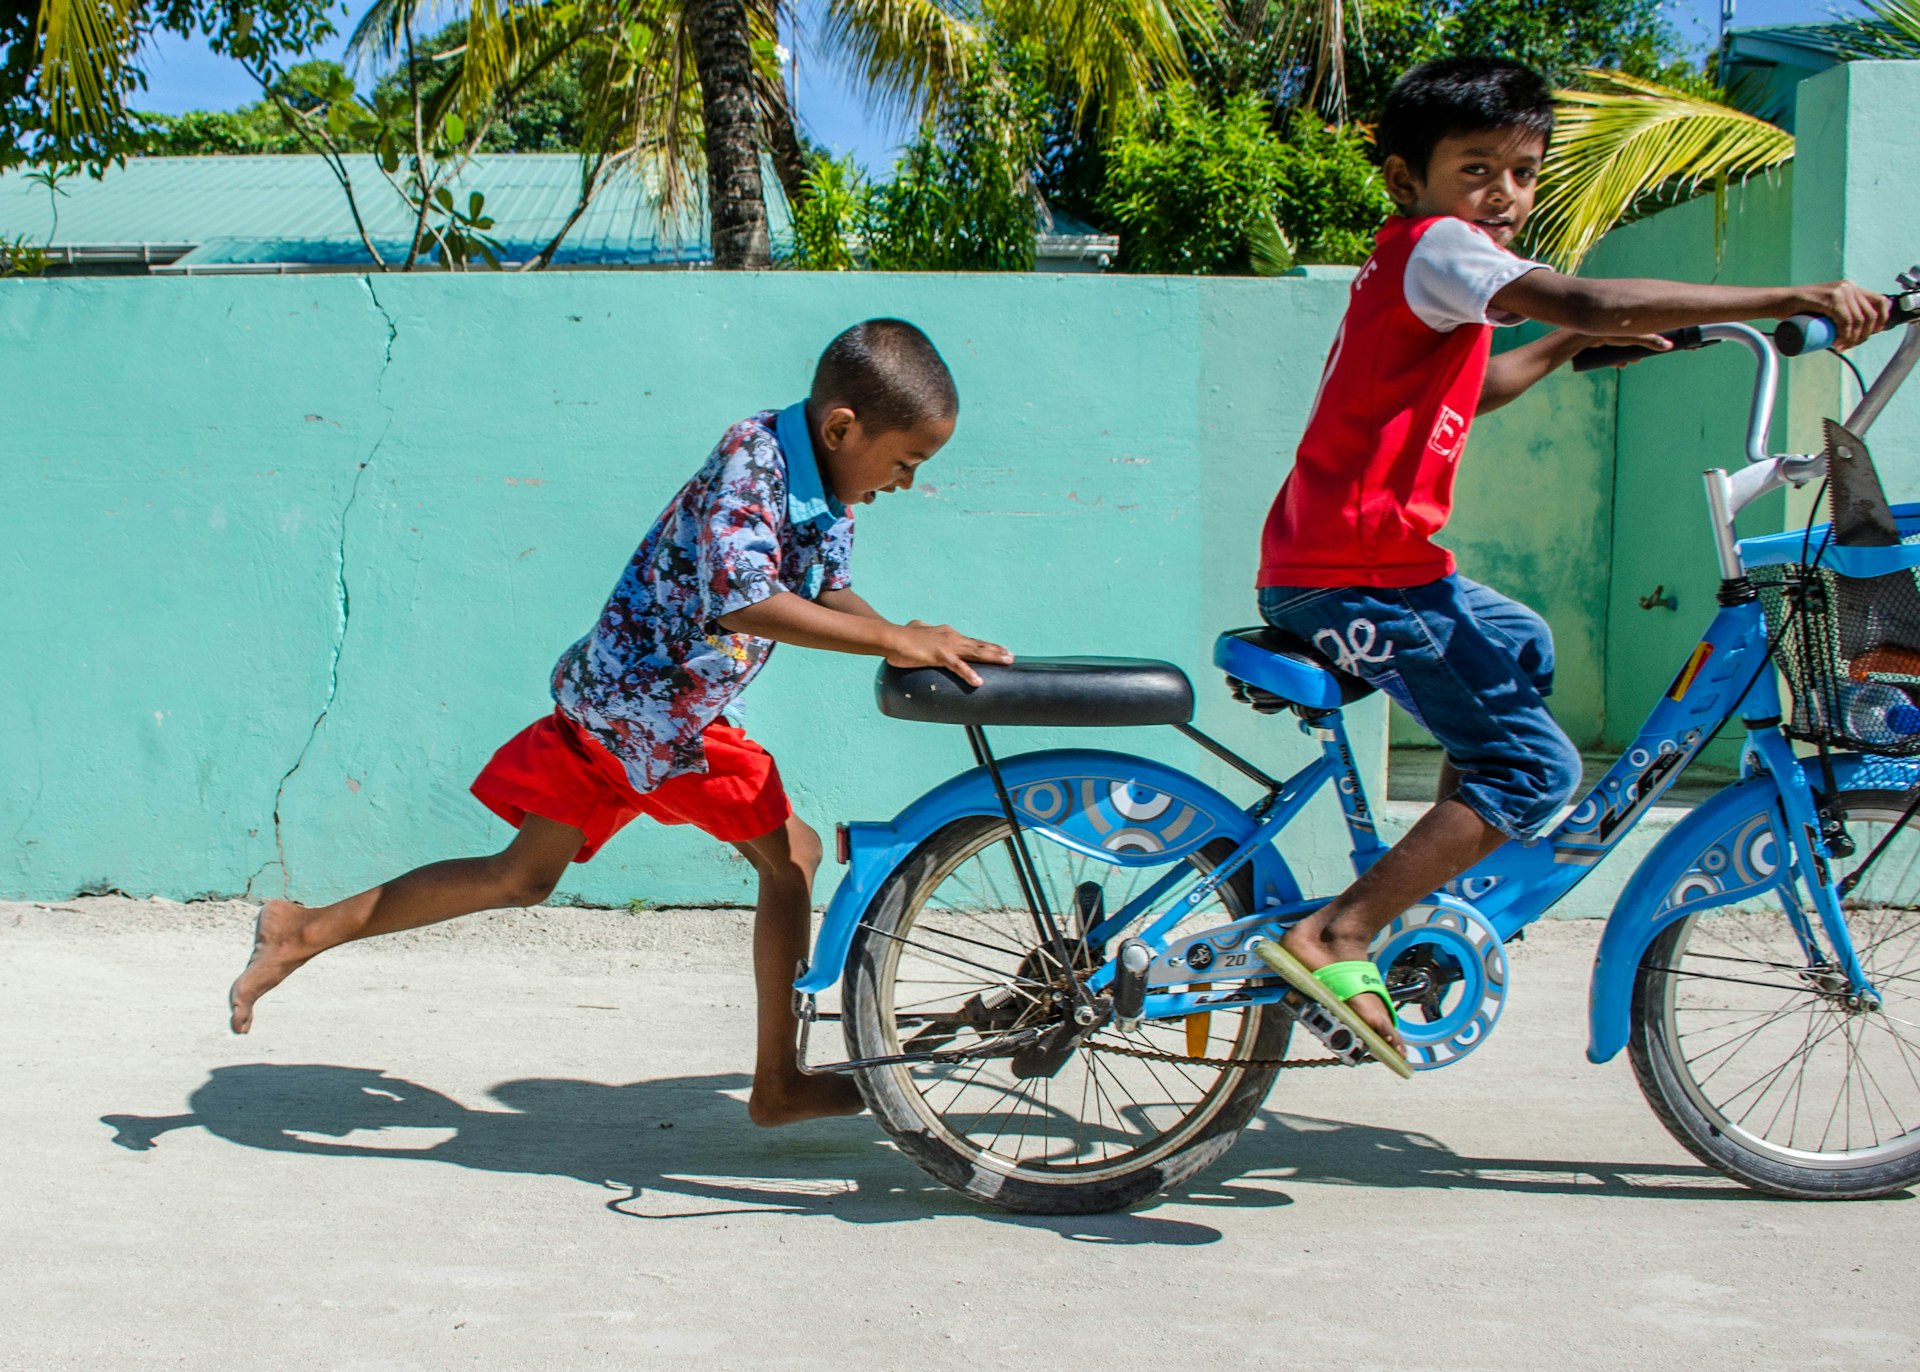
(1274, 661)
(1054, 691)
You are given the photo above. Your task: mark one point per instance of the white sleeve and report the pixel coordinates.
(1455, 271)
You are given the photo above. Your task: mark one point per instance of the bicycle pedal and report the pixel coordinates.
(1339, 1040)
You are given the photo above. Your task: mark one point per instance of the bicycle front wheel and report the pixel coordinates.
(948, 956)
(1752, 1054)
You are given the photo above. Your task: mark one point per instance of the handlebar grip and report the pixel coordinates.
(1804, 333)
(1812, 333)
(1683, 340)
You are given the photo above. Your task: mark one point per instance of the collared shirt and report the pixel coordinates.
(656, 668)
(1373, 480)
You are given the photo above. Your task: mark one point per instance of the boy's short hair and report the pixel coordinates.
(888, 373)
(1455, 95)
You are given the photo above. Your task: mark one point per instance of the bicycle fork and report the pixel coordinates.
(1813, 859)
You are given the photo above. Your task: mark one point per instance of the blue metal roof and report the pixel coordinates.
(289, 209)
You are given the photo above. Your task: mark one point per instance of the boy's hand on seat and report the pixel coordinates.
(1857, 314)
(919, 644)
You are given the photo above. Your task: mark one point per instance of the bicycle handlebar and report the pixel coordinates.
(1803, 333)
(1683, 340)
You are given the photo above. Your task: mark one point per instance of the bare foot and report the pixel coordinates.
(1316, 949)
(802, 1098)
(278, 951)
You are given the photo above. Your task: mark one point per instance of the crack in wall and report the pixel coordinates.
(343, 603)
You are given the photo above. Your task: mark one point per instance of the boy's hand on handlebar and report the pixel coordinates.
(1652, 342)
(920, 644)
(1857, 314)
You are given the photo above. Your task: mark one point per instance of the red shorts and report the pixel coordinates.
(556, 769)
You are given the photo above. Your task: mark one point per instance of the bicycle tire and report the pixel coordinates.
(899, 1101)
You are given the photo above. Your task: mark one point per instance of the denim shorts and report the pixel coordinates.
(1473, 667)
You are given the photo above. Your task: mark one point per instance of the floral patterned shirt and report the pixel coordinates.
(656, 668)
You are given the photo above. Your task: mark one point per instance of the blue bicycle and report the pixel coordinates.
(1051, 987)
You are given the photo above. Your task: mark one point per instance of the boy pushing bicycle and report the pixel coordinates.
(753, 551)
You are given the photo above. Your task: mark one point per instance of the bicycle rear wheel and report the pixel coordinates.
(947, 956)
(1751, 1055)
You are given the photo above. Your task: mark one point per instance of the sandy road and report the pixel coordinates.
(518, 1142)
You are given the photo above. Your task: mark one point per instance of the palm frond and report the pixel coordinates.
(910, 55)
(380, 38)
(1319, 27)
(1893, 31)
(1111, 54)
(1624, 140)
(84, 47)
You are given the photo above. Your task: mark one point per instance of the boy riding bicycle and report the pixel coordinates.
(753, 551)
(1348, 561)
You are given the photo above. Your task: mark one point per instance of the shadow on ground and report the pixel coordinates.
(680, 1148)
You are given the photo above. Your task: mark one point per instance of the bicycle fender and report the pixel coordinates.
(1115, 808)
(1729, 848)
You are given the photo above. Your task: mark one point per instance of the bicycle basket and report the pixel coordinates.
(1847, 638)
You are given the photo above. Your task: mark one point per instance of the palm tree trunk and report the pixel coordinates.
(783, 143)
(736, 204)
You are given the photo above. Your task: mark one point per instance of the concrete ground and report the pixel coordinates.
(517, 1142)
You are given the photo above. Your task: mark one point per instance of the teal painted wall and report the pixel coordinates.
(287, 558)
(1677, 416)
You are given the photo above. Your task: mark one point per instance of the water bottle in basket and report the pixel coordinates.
(1879, 714)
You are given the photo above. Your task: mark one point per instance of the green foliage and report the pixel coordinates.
(1332, 200)
(72, 108)
(21, 256)
(961, 197)
(830, 225)
(1564, 37)
(1195, 188)
(1273, 50)
(1397, 34)
(255, 128)
(546, 114)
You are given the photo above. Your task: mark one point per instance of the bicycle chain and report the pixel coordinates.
(1153, 1055)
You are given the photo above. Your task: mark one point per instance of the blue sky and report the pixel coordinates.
(185, 76)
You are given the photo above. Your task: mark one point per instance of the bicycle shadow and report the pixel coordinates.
(1328, 1152)
(676, 1148)
(680, 1148)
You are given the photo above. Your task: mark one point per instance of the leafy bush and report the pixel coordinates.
(1332, 200)
(830, 225)
(960, 199)
(1196, 189)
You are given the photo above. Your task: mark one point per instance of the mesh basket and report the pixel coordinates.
(1849, 648)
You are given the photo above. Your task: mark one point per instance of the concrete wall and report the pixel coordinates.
(287, 558)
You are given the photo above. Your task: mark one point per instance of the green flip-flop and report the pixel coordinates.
(1331, 987)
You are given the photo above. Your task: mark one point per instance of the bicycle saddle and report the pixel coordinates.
(1041, 690)
(1286, 668)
